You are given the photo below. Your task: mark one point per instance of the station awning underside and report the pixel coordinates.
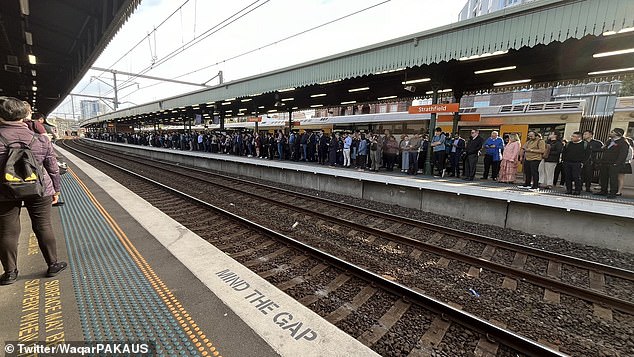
(548, 41)
(65, 36)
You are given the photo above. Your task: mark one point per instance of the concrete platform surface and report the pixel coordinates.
(136, 274)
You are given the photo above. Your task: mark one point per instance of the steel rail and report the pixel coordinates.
(500, 335)
(556, 257)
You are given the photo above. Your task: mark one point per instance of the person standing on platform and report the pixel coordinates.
(595, 147)
(510, 160)
(422, 153)
(532, 153)
(374, 153)
(347, 145)
(551, 159)
(438, 146)
(494, 146)
(390, 153)
(574, 155)
(36, 123)
(333, 146)
(627, 168)
(457, 147)
(13, 130)
(472, 151)
(362, 153)
(414, 146)
(615, 154)
(404, 149)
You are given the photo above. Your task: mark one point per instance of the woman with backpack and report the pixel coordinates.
(32, 178)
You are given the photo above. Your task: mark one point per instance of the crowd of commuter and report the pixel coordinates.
(546, 162)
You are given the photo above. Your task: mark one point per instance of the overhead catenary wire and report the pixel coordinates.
(139, 43)
(214, 29)
(269, 44)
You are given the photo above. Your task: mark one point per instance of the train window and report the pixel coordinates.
(546, 129)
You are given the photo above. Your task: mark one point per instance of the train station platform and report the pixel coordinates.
(137, 276)
(585, 219)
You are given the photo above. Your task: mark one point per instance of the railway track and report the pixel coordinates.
(446, 245)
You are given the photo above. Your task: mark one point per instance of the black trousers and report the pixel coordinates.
(40, 212)
(488, 162)
(455, 163)
(587, 174)
(470, 165)
(609, 175)
(390, 160)
(572, 173)
(439, 160)
(531, 173)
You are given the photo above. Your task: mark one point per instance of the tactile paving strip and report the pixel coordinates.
(116, 301)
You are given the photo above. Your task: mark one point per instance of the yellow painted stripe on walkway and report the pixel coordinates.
(196, 335)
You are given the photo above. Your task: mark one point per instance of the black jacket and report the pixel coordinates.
(474, 145)
(594, 148)
(615, 154)
(556, 147)
(575, 152)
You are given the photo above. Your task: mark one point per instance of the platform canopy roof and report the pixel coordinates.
(64, 37)
(545, 41)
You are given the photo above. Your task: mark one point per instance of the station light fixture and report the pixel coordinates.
(295, 108)
(243, 110)
(390, 70)
(612, 71)
(349, 102)
(32, 59)
(484, 55)
(388, 97)
(226, 103)
(420, 80)
(272, 111)
(228, 111)
(28, 37)
(287, 99)
(613, 53)
(626, 29)
(318, 95)
(33, 73)
(482, 71)
(286, 89)
(34, 88)
(445, 90)
(230, 99)
(261, 107)
(358, 89)
(316, 105)
(519, 81)
(328, 82)
(246, 100)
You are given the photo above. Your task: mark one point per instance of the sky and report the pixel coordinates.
(267, 22)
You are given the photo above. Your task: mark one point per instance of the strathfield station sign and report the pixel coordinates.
(435, 108)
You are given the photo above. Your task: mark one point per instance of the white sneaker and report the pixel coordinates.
(525, 187)
(443, 173)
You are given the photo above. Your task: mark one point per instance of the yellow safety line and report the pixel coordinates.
(202, 343)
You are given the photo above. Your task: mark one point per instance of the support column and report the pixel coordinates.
(456, 116)
(432, 127)
(290, 121)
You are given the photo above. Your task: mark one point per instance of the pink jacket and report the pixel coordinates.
(511, 151)
(42, 149)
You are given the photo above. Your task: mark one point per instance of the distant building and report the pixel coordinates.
(91, 108)
(474, 8)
